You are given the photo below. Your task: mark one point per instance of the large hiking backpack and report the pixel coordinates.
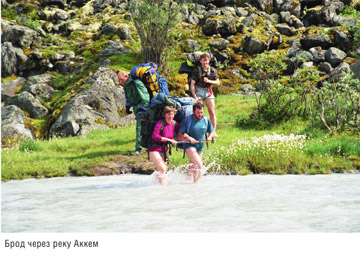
(153, 114)
(149, 75)
(193, 61)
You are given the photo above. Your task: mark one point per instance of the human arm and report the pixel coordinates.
(192, 89)
(166, 135)
(212, 82)
(212, 78)
(143, 95)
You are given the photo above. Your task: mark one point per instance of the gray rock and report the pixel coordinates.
(113, 48)
(317, 40)
(291, 20)
(212, 13)
(60, 3)
(40, 86)
(105, 63)
(252, 45)
(228, 10)
(246, 89)
(12, 123)
(200, 9)
(335, 75)
(9, 88)
(61, 15)
(326, 15)
(100, 5)
(356, 69)
(341, 40)
(96, 108)
(20, 36)
(308, 64)
(12, 59)
(219, 44)
(339, 20)
(241, 12)
(124, 32)
(318, 54)
(193, 19)
(291, 6)
(27, 102)
(285, 30)
(263, 5)
(248, 21)
(334, 56)
(224, 26)
(220, 57)
(326, 67)
(192, 45)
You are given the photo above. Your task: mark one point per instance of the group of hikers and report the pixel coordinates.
(190, 132)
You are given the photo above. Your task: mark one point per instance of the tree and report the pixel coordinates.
(154, 20)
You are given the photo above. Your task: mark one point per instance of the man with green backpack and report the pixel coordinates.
(137, 97)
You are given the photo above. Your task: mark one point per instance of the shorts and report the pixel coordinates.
(204, 93)
(198, 146)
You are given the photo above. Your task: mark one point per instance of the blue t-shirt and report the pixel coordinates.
(197, 130)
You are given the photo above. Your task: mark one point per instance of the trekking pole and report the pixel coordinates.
(187, 141)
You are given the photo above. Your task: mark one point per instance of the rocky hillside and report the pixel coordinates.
(59, 57)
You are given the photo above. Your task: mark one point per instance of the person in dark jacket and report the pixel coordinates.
(137, 97)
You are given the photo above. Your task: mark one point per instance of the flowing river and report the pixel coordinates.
(219, 203)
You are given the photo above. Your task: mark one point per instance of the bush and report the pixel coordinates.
(338, 105)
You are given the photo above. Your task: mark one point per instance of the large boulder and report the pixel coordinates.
(324, 15)
(318, 40)
(263, 5)
(112, 49)
(225, 26)
(10, 88)
(20, 36)
(253, 45)
(40, 86)
(60, 3)
(12, 123)
(27, 102)
(284, 29)
(334, 56)
(291, 6)
(99, 107)
(12, 59)
(356, 69)
(335, 75)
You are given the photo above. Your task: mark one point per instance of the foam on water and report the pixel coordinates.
(138, 203)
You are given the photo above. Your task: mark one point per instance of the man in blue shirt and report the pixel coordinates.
(194, 129)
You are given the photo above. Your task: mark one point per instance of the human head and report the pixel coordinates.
(198, 110)
(168, 109)
(205, 59)
(123, 76)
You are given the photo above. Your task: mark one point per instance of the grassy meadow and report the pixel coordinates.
(287, 148)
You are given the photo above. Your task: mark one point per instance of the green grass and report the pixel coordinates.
(75, 155)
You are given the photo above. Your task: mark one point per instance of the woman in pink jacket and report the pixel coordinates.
(164, 132)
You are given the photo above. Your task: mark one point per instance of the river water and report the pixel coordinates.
(219, 203)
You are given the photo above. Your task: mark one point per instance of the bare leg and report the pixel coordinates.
(210, 104)
(195, 164)
(159, 165)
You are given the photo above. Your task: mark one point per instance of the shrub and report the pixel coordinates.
(338, 105)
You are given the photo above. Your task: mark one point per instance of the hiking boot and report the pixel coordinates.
(136, 152)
